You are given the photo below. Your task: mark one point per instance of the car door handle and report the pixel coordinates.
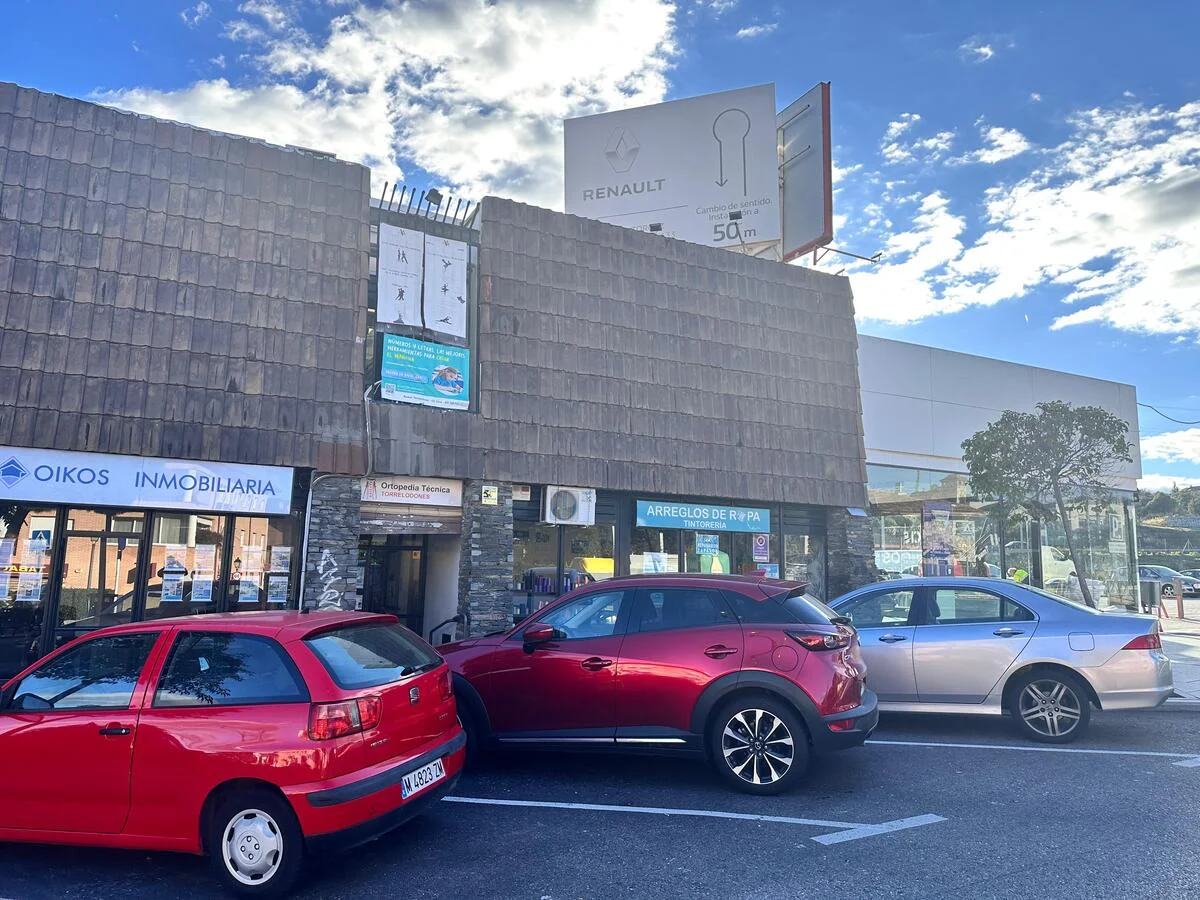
(719, 651)
(1007, 632)
(114, 730)
(892, 638)
(596, 663)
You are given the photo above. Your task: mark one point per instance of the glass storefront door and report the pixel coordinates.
(26, 539)
(99, 571)
(394, 582)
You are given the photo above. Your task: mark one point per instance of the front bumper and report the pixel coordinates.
(850, 728)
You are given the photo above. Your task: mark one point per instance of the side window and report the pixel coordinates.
(956, 606)
(879, 609)
(98, 674)
(212, 668)
(589, 616)
(662, 609)
(758, 610)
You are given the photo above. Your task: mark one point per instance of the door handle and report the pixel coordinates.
(1007, 632)
(114, 730)
(892, 638)
(719, 651)
(596, 663)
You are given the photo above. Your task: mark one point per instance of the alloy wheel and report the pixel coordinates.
(757, 746)
(1050, 708)
(252, 847)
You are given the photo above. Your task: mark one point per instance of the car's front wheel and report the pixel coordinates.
(1051, 707)
(759, 745)
(255, 844)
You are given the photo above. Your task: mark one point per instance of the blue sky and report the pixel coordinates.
(1030, 171)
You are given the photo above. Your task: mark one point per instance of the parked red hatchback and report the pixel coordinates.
(252, 737)
(753, 674)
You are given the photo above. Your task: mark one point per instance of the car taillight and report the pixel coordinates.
(444, 687)
(1150, 641)
(327, 721)
(821, 640)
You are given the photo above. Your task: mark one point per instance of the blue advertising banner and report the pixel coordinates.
(701, 516)
(415, 371)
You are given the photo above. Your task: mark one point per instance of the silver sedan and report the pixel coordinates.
(986, 646)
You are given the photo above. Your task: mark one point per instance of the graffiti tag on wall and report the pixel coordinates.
(327, 569)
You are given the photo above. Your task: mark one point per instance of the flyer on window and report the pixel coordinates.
(29, 587)
(252, 559)
(277, 588)
(202, 589)
(7, 547)
(248, 590)
(281, 559)
(172, 588)
(33, 553)
(205, 557)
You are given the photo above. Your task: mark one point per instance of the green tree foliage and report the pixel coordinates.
(1048, 461)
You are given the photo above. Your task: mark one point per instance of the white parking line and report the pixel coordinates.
(1185, 759)
(850, 831)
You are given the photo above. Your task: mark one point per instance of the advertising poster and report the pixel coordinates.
(762, 547)
(248, 590)
(252, 559)
(445, 286)
(654, 562)
(202, 588)
(708, 544)
(205, 557)
(172, 588)
(33, 552)
(771, 570)
(277, 588)
(29, 587)
(7, 546)
(429, 374)
(281, 559)
(400, 275)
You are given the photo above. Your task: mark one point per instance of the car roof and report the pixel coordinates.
(692, 579)
(285, 624)
(934, 581)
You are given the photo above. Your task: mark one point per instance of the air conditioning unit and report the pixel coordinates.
(570, 506)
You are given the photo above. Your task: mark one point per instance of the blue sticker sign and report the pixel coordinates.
(415, 371)
(701, 516)
(708, 544)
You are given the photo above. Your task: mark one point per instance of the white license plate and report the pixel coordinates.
(415, 782)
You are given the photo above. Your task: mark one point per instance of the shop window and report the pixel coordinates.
(535, 559)
(185, 565)
(654, 550)
(590, 553)
(260, 575)
(804, 561)
(26, 544)
(99, 576)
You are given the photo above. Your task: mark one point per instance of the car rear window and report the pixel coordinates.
(365, 656)
(807, 609)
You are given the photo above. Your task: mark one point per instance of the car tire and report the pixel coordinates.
(758, 744)
(1168, 590)
(255, 844)
(473, 731)
(1050, 707)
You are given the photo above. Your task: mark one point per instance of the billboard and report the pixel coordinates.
(415, 371)
(806, 169)
(422, 280)
(681, 168)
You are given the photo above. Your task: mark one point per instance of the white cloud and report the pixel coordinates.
(194, 15)
(274, 15)
(925, 150)
(218, 60)
(976, 50)
(134, 45)
(473, 93)
(1173, 446)
(900, 125)
(1154, 483)
(755, 31)
(1035, 97)
(999, 144)
(1108, 221)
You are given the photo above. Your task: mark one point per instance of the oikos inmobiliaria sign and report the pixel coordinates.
(102, 479)
(704, 169)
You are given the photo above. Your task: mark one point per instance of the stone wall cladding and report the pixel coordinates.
(850, 554)
(329, 569)
(619, 359)
(485, 566)
(170, 291)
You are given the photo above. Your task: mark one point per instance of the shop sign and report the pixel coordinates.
(701, 516)
(762, 548)
(412, 491)
(490, 495)
(415, 371)
(101, 479)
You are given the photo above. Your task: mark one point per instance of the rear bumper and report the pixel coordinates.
(1133, 679)
(848, 729)
(353, 810)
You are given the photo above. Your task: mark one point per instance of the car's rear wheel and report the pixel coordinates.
(255, 844)
(759, 745)
(1051, 707)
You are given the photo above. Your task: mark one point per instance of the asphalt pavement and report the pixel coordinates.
(932, 807)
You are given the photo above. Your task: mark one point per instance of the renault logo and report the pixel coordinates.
(414, 696)
(11, 471)
(622, 149)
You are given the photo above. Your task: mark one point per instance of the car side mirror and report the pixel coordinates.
(539, 633)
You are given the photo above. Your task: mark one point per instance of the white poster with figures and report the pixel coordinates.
(400, 270)
(446, 285)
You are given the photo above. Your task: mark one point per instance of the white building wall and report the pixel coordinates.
(921, 403)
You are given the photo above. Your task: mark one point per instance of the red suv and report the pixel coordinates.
(253, 737)
(753, 674)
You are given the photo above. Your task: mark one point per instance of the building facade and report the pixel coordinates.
(919, 405)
